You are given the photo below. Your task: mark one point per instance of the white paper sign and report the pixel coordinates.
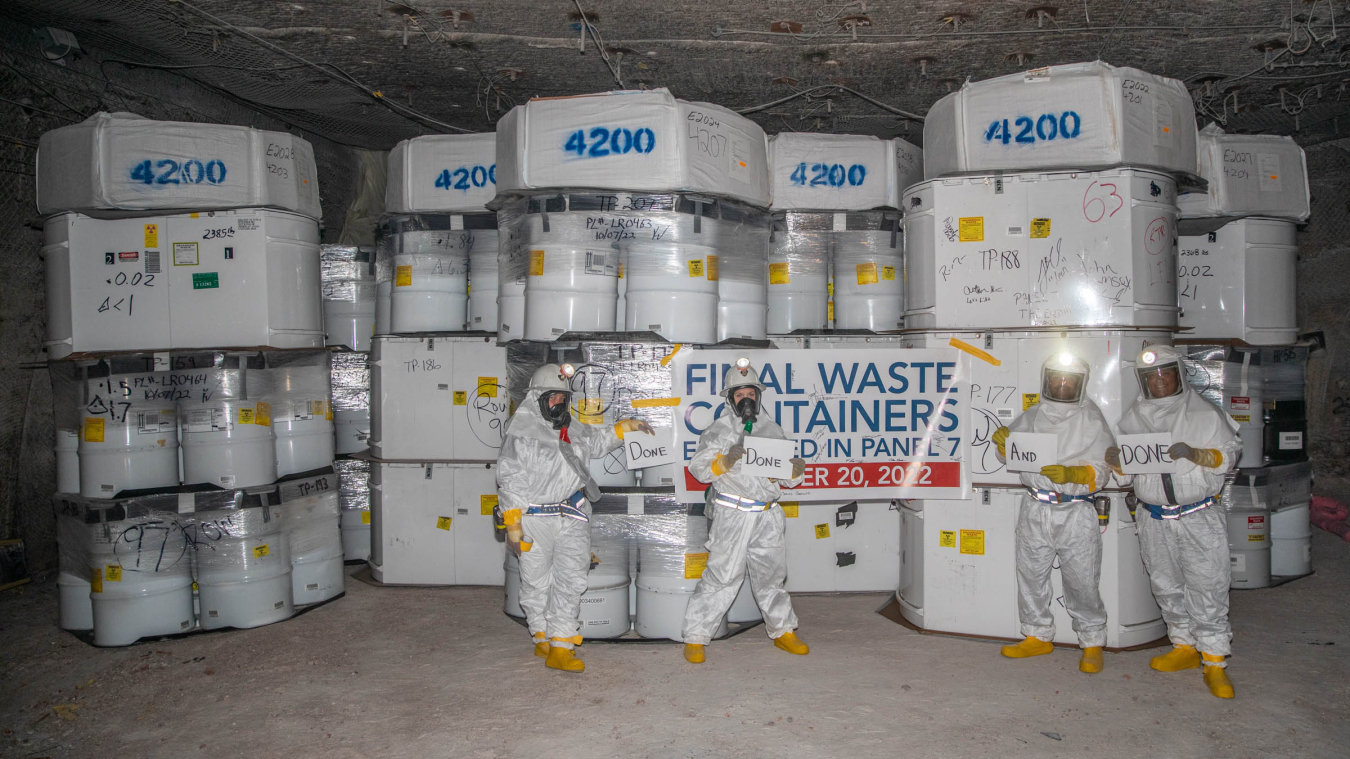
(1146, 454)
(643, 450)
(768, 457)
(1029, 451)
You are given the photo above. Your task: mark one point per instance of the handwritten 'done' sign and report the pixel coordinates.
(643, 450)
(768, 457)
(1146, 454)
(1029, 451)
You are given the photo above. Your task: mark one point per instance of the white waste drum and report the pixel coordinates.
(604, 605)
(1249, 547)
(351, 430)
(672, 555)
(349, 296)
(243, 563)
(799, 272)
(483, 280)
(228, 443)
(1291, 540)
(314, 534)
(1243, 399)
(384, 295)
(571, 262)
(869, 272)
(305, 440)
(354, 501)
(673, 267)
(67, 450)
(1240, 282)
(140, 570)
(129, 448)
(73, 547)
(427, 259)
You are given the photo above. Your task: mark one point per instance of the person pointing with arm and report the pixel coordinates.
(545, 493)
(748, 527)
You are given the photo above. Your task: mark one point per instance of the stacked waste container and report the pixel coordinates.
(190, 384)
(1047, 223)
(1237, 286)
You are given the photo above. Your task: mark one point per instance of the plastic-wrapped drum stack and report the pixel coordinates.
(1237, 274)
(665, 194)
(435, 228)
(1047, 222)
(837, 231)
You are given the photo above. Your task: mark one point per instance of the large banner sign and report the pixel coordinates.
(872, 424)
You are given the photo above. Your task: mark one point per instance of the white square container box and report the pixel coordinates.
(1249, 175)
(431, 524)
(842, 546)
(1240, 282)
(840, 172)
(645, 141)
(1005, 370)
(437, 397)
(442, 173)
(1077, 116)
(1046, 249)
(242, 278)
(114, 162)
(958, 572)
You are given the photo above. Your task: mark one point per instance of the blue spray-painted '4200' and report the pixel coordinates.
(168, 171)
(1044, 128)
(829, 175)
(604, 141)
(467, 176)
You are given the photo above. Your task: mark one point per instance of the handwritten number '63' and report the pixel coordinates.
(1095, 204)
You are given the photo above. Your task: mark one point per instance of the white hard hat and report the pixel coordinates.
(552, 377)
(741, 374)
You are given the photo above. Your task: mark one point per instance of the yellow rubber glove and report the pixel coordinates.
(723, 464)
(1078, 475)
(1113, 460)
(628, 425)
(798, 467)
(1000, 437)
(514, 530)
(1209, 458)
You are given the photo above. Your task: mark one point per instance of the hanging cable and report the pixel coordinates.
(807, 92)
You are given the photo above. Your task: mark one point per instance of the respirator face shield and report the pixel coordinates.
(1062, 385)
(555, 412)
(745, 402)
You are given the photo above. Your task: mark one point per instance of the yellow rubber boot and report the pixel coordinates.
(1092, 661)
(564, 659)
(789, 642)
(693, 653)
(1179, 658)
(1216, 677)
(1028, 648)
(541, 645)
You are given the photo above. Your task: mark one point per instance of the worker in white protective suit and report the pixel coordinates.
(748, 528)
(545, 493)
(1057, 518)
(1183, 538)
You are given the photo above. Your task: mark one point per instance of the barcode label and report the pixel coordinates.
(149, 424)
(602, 263)
(152, 262)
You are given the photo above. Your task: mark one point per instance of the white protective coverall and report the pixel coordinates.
(747, 535)
(1046, 529)
(1185, 550)
(533, 470)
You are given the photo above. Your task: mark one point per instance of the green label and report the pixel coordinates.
(205, 281)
